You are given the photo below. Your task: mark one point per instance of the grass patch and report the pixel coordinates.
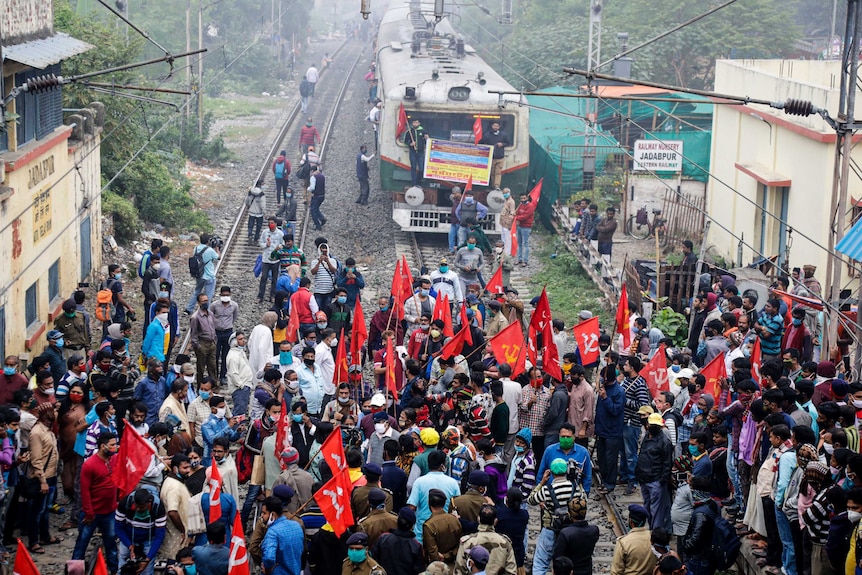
(230, 108)
(570, 288)
(236, 132)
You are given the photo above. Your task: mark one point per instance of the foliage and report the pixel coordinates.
(672, 324)
(570, 288)
(183, 135)
(127, 225)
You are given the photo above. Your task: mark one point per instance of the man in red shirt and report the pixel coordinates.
(11, 380)
(99, 500)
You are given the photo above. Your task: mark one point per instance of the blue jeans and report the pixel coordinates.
(304, 103)
(453, 236)
(253, 492)
(37, 519)
(788, 552)
(104, 522)
(316, 215)
(202, 285)
(544, 551)
(608, 452)
(631, 438)
(417, 166)
(523, 235)
(124, 557)
(733, 473)
(657, 502)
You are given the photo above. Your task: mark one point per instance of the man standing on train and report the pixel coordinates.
(415, 138)
(499, 140)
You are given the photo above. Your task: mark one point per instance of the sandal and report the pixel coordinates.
(36, 549)
(67, 525)
(53, 541)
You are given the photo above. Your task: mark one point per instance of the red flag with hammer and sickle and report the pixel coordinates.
(509, 347)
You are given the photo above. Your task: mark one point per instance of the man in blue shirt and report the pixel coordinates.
(213, 558)
(568, 450)
(217, 426)
(282, 548)
(610, 411)
(151, 390)
(436, 478)
(770, 329)
(205, 283)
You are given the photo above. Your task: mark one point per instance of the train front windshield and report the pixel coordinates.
(459, 127)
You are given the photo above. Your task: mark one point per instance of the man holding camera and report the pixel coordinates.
(140, 526)
(208, 249)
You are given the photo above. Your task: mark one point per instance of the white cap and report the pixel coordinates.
(686, 373)
(378, 400)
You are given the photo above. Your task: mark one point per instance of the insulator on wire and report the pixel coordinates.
(799, 108)
(42, 83)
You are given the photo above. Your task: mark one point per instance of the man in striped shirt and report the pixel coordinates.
(637, 395)
(325, 270)
(553, 494)
(140, 520)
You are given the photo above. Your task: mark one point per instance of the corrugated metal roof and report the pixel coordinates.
(851, 244)
(42, 53)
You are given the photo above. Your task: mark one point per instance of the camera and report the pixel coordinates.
(574, 471)
(216, 243)
(131, 316)
(131, 566)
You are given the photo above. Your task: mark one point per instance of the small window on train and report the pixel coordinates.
(459, 127)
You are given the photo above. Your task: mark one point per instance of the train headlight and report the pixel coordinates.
(414, 196)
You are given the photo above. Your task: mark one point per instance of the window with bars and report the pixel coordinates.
(54, 281)
(31, 307)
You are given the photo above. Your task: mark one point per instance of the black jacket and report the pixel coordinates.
(655, 459)
(492, 139)
(577, 542)
(395, 480)
(697, 541)
(399, 553)
(555, 417)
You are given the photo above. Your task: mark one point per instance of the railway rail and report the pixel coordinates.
(237, 257)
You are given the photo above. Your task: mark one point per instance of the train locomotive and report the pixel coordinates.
(426, 67)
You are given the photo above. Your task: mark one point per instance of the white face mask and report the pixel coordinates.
(828, 448)
(157, 267)
(220, 412)
(854, 516)
(334, 343)
(270, 521)
(189, 378)
(857, 403)
(225, 299)
(162, 317)
(380, 427)
(162, 442)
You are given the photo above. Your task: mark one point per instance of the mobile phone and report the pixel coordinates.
(241, 418)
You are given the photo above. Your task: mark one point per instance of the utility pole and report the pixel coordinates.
(594, 57)
(846, 127)
(201, 68)
(188, 48)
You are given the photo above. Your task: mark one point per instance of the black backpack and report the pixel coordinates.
(197, 263)
(560, 512)
(725, 541)
(304, 171)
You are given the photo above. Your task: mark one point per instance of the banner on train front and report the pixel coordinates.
(457, 161)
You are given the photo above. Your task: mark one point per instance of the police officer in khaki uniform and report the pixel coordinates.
(379, 520)
(467, 506)
(358, 562)
(441, 533)
(359, 498)
(501, 555)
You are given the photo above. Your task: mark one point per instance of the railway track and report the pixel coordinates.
(238, 255)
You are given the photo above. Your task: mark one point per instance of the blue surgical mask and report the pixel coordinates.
(357, 555)
(11, 433)
(9, 370)
(205, 395)
(424, 292)
(191, 569)
(60, 342)
(635, 330)
(506, 196)
(285, 357)
(797, 322)
(92, 395)
(693, 450)
(444, 269)
(342, 299)
(520, 448)
(297, 417)
(676, 368)
(471, 246)
(163, 294)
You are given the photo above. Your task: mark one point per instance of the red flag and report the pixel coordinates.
(468, 187)
(814, 303)
(397, 291)
(391, 384)
(655, 372)
(443, 312)
(532, 345)
(334, 501)
(551, 357)
(358, 333)
(468, 335)
(402, 121)
(541, 318)
(509, 347)
(406, 277)
(536, 192)
(714, 372)
(587, 340)
(514, 240)
(477, 130)
(455, 343)
(281, 432)
(292, 330)
(24, 564)
(238, 560)
(495, 284)
(332, 451)
(136, 453)
(100, 568)
(623, 318)
(756, 361)
(215, 492)
(341, 367)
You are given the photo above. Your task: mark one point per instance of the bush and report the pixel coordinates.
(674, 325)
(127, 225)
